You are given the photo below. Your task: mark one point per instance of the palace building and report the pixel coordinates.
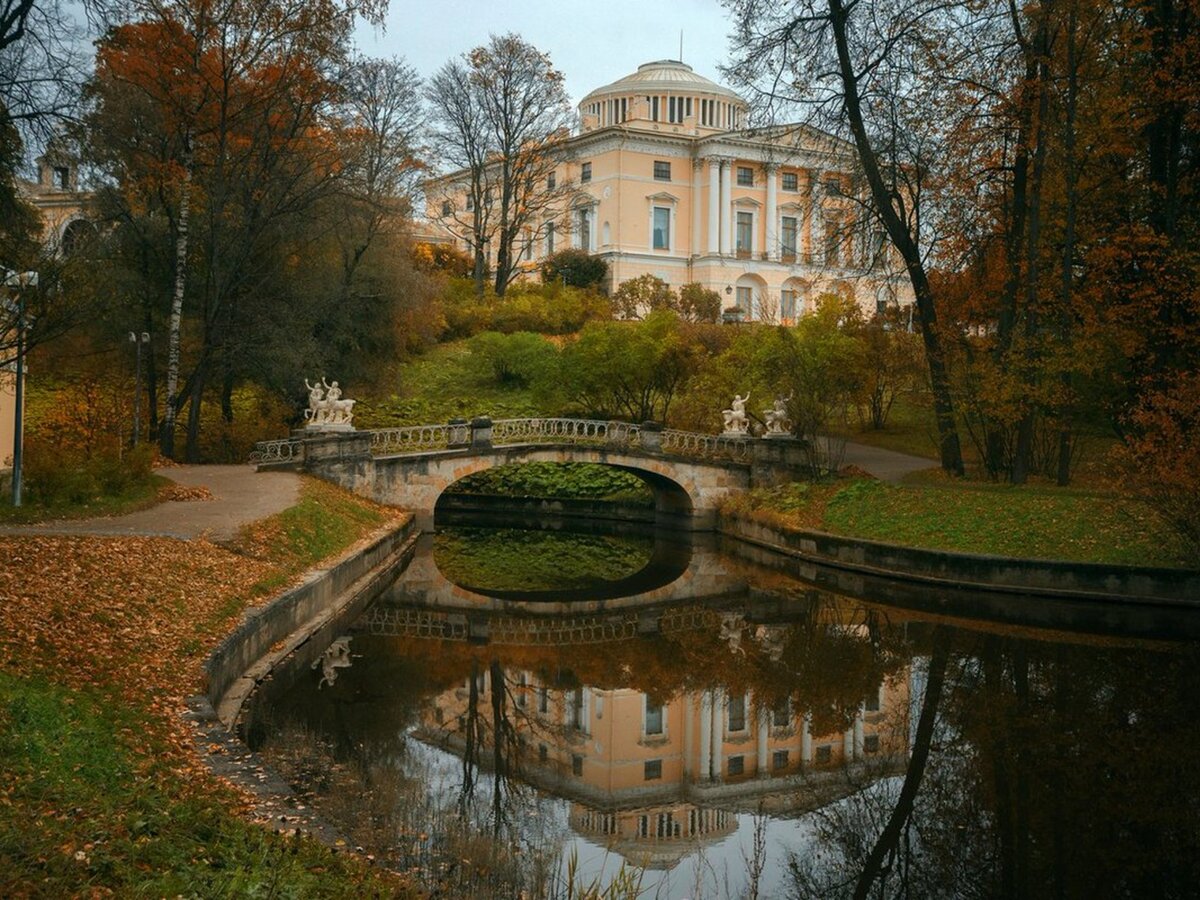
(669, 179)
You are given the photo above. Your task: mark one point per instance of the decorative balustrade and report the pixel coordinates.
(281, 451)
(706, 446)
(419, 438)
(587, 432)
(564, 431)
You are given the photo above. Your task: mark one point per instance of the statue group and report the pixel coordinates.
(326, 406)
(737, 423)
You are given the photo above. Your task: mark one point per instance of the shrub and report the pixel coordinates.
(641, 296)
(541, 308)
(512, 359)
(698, 303)
(574, 268)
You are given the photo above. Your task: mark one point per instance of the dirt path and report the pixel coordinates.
(240, 496)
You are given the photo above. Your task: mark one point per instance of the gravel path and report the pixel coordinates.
(240, 496)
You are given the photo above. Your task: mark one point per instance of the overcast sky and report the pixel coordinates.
(592, 43)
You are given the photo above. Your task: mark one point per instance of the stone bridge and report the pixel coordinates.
(689, 473)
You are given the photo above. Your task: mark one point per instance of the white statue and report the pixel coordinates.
(777, 417)
(735, 417)
(732, 625)
(326, 407)
(334, 658)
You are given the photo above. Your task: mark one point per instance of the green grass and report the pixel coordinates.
(910, 429)
(542, 480)
(513, 559)
(1035, 522)
(137, 496)
(80, 810)
(440, 385)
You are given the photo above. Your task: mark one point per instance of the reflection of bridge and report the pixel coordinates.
(690, 473)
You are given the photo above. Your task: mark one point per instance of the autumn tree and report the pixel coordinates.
(850, 65)
(501, 115)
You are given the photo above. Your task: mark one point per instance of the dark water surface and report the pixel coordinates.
(528, 707)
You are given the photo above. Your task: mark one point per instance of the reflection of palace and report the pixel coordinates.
(651, 779)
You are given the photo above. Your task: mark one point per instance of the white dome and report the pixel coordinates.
(665, 75)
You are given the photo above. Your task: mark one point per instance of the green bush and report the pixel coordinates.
(540, 308)
(574, 268)
(512, 359)
(57, 477)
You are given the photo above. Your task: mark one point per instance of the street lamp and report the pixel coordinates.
(138, 340)
(17, 282)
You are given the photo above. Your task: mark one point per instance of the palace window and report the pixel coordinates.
(62, 178)
(871, 743)
(872, 704)
(737, 765)
(585, 229)
(781, 714)
(653, 101)
(522, 690)
(824, 753)
(787, 304)
(780, 760)
(789, 181)
(585, 172)
(788, 236)
(675, 109)
(576, 765)
(549, 238)
(745, 232)
(575, 710)
(446, 207)
(662, 228)
(737, 713)
(543, 753)
(470, 203)
(708, 113)
(652, 770)
(654, 718)
(662, 170)
(543, 700)
(551, 181)
(833, 242)
(745, 300)
(745, 176)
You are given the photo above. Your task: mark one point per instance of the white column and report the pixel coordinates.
(718, 734)
(858, 734)
(727, 207)
(694, 240)
(772, 211)
(816, 219)
(714, 206)
(806, 750)
(706, 705)
(764, 717)
(689, 716)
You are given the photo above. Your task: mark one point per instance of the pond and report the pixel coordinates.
(660, 716)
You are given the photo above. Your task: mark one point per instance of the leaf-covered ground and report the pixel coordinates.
(101, 641)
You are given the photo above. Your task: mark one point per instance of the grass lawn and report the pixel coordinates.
(441, 385)
(101, 642)
(137, 496)
(1030, 521)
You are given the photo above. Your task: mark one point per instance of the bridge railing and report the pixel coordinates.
(706, 446)
(564, 431)
(419, 438)
(286, 450)
(544, 430)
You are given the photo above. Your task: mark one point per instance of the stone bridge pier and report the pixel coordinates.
(688, 489)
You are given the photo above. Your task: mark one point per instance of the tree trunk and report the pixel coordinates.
(888, 840)
(192, 453)
(949, 446)
(174, 328)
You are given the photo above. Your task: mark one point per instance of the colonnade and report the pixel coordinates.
(720, 233)
(712, 734)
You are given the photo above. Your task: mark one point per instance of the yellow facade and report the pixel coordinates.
(644, 774)
(666, 179)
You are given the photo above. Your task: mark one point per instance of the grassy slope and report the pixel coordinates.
(441, 385)
(1032, 521)
(101, 640)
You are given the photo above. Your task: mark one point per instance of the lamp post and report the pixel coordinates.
(17, 282)
(138, 340)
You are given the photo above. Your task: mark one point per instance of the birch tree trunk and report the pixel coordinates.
(175, 327)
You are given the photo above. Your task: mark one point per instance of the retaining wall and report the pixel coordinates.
(996, 573)
(354, 579)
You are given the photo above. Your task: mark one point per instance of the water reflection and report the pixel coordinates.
(738, 732)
